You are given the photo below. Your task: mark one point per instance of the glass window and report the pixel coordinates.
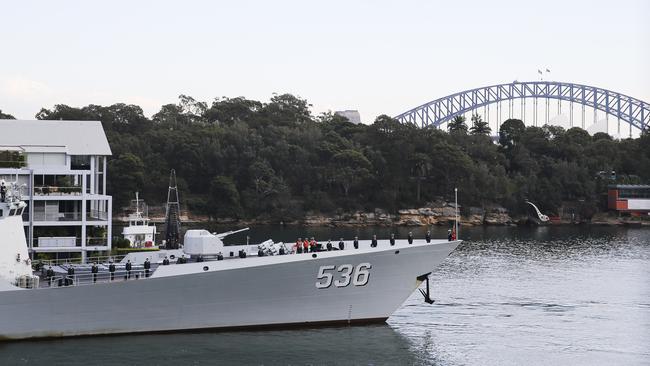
(80, 162)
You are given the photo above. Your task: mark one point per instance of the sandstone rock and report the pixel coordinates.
(494, 218)
(426, 211)
(448, 211)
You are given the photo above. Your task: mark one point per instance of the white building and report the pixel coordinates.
(62, 167)
(351, 114)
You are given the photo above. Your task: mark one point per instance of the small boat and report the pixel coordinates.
(140, 233)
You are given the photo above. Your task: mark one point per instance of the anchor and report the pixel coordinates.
(427, 298)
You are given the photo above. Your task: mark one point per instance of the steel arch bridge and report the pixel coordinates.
(435, 113)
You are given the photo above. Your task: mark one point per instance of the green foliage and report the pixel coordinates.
(479, 127)
(127, 177)
(6, 116)
(224, 198)
(240, 158)
(457, 125)
(12, 159)
(510, 133)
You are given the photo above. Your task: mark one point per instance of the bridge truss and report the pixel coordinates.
(440, 111)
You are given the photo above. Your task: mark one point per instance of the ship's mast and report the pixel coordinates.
(137, 205)
(172, 214)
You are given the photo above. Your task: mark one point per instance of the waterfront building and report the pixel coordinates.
(61, 169)
(629, 198)
(352, 115)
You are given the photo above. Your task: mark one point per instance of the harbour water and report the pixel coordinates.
(506, 296)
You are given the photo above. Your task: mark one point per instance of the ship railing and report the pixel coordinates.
(84, 279)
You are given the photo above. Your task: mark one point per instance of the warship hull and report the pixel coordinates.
(348, 286)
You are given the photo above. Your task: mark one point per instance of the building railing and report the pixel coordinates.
(56, 242)
(94, 259)
(12, 159)
(68, 242)
(97, 215)
(57, 216)
(12, 164)
(93, 215)
(96, 242)
(57, 191)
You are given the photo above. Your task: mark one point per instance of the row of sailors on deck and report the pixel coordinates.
(94, 270)
(311, 245)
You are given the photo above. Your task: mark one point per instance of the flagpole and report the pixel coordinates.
(456, 208)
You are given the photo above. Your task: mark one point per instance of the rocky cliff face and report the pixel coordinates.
(424, 216)
(440, 213)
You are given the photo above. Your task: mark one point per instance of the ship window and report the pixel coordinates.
(12, 212)
(205, 268)
(2, 213)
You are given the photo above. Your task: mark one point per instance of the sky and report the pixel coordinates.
(379, 57)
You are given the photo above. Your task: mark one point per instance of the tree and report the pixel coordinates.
(6, 116)
(510, 133)
(457, 125)
(350, 168)
(421, 165)
(479, 127)
(272, 160)
(127, 177)
(224, 198)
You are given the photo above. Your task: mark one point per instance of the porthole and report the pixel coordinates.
(172, 256)
(205, 268)
(314, 255)
(397, 252)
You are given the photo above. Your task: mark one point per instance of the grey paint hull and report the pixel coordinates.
(266, 295)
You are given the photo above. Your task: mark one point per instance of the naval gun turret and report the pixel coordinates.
(204, 243)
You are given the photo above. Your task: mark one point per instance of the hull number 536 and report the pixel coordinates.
(344, 274)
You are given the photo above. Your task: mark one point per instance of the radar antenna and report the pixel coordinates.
(172, 214)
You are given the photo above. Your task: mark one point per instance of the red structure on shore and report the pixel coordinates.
(628, 198)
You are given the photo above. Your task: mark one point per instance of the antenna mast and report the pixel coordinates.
(172, 214)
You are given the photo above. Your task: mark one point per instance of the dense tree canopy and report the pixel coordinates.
(248, 159)
(6, 116)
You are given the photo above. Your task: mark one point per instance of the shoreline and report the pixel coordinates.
(405, 218)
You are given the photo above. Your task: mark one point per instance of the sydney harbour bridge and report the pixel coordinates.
(584, 106)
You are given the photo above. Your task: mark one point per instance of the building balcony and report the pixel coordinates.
(12, 158)
(57, 216)
(43, 217)
(67, 243)
(57, 191)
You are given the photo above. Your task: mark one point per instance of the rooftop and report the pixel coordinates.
(72, 137)
(630, 186)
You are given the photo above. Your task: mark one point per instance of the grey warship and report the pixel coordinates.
(206, 285)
